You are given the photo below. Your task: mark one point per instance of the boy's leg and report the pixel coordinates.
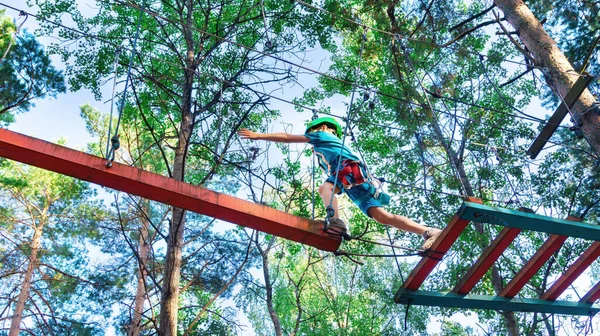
(405, 224)
(399, 222)
(326, 192)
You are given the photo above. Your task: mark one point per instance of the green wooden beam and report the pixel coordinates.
(452, 300)
(528, 221)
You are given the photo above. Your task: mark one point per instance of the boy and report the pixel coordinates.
(325, 135)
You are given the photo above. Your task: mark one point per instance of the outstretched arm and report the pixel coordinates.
(276, 137)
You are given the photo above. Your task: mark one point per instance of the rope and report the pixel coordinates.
(101, 39)
(114, 140)
(387, 229)
(486, 74)
(267, 55)
(302, 67)
(156, 15)
(112, 99)
(314, 117)
(356, 74)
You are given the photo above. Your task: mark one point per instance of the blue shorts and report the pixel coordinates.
(358, 194)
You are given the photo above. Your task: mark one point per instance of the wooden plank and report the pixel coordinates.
(533, 265)
(162, 189)
(593, 295)
(574, 271)
(441, 246)
(449, 235)
(528, 221)
(558, 116)
(486, 260)
(453, 300)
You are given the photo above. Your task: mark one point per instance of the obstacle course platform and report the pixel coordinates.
(514, 222)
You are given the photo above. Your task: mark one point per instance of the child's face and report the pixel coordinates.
(323, 128)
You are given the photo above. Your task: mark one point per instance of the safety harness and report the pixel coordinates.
(353, 173)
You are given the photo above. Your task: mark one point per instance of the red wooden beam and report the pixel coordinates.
(533, 265)
(592, 295)
(486, 260)
(162, 189)
(441, 246)
(574, 271)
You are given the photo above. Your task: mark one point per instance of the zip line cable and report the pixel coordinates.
(412, 39)
(291, 63)
(156, 15)
(284, 100)
(329, 211)
(112, 100)
(270, 56)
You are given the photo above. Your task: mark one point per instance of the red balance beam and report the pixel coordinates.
(592, 295)
(533, 265)
(441, 245)
(574, 271)
(486, 260)
(162, 189)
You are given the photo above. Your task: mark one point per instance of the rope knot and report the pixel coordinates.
(115, 143)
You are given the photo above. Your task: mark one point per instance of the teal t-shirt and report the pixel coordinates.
(327, 149)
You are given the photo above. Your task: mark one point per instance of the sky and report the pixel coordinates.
(52, 119)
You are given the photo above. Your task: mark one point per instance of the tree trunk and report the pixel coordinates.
(170, 289)
(15, 323)
(269, 287)
(140, 295)
(560, 75)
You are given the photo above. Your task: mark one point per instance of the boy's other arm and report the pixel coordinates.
(276, 137)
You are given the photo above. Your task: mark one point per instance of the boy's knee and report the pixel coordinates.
(380, 215)
(327, 187)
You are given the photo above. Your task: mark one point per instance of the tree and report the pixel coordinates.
(26, 73)
(566, 19)
(440, 116)
(192, 85)
(7, 29)
(46, 222)
(212, 260)
(559, 74)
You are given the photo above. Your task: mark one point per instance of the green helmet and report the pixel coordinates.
(325, 120)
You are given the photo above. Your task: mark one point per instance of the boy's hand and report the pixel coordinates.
(248, 134)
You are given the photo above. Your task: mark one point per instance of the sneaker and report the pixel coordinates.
(430, 236)
(337, 224)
